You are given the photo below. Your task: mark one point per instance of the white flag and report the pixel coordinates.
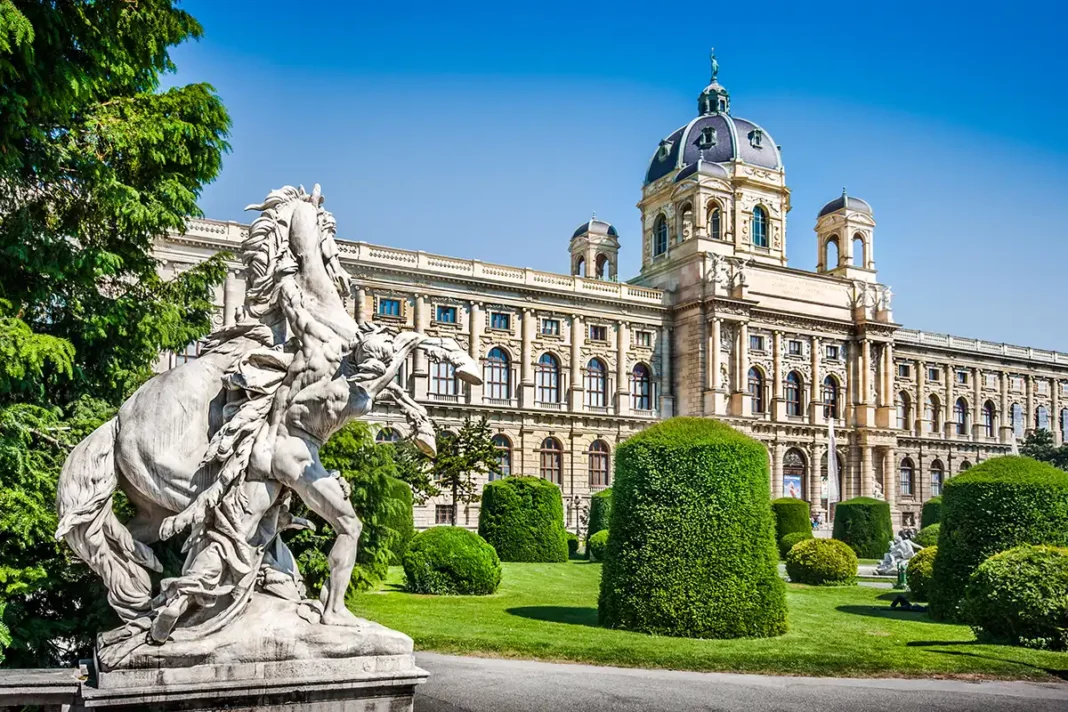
(1015, 447)
(832, 466)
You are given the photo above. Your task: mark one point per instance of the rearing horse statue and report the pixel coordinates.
(216, 446)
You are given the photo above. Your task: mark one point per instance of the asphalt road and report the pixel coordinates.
(487, 685)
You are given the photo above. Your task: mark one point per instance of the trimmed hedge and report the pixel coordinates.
(692, 551)
(451, 560)
(864, 523)
(572, 545)
(822, 562)
(919, 572)
(523, 519)
(600, 511)
(400, 518)
(932, 512)
(928, 536)
(791, 515)
(1020, 596)
(998, 504)
(598, 546)
(788, 541)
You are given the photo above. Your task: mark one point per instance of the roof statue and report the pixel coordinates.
(213, 452)
(714, 63)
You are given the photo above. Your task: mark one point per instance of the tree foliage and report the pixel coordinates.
(461, 457)
(96, 162)
(1039, 446)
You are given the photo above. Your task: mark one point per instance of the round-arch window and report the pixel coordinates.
(504, 455)
(552, 460)
(497, 374)
(760, 227)
(660, 236)
(598, 464)
(548, 379)
(596, 383)
(387, 435)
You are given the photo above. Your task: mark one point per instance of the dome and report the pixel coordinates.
(703, 168)
(848, 202)
(723, 138)
(595, 227)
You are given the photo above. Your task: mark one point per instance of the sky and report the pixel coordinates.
(492, 130)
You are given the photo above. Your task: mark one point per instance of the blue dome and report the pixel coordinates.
(846, 201)
(595, 227)
(722, 138)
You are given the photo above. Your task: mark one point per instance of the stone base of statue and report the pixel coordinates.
(272, 657)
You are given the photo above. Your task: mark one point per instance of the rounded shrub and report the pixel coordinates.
(931, 512)
(919, 571)
(864, 523)
(999, 504)
(822, 562)
(692, 551)
(523, 519)
(600, 511)
(928, 536)
(1020, 596)
(572, 545)
(598, 546)
(791, 515)
(788, 541)
(451, 560)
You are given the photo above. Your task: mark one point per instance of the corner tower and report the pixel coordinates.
(595, 250)
(845, 231)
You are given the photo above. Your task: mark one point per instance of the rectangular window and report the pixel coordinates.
(550, 327)
(962, 377)
(756, 343)
(1016, 383)
(643, 338)
(904, 371)
(991, 380)
(389, 307)
(832, 353)
(443, 514)
(598, 333)
(795, 348)
(446, 315)
(443, 380)
(501, 322)
(1043, 387)
(934, 374)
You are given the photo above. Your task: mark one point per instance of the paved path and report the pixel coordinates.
(489, 685)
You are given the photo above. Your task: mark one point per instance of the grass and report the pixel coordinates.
(549, 612)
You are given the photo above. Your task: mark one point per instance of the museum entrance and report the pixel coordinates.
(794, 475)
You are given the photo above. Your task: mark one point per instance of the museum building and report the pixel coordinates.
(716, 324)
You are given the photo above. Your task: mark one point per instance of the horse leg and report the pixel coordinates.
(296, 464)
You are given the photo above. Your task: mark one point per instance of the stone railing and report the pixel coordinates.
(960, 343)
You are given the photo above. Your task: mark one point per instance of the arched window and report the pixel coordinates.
(497, 374)
(794, 474)
(760, 227)
(547, 378)
(1017, 420)
(387, 435)
(715, 222)
(756, 389)
(660, 236)
(1042, 418)
(504, 455)
(641, 388)
(794, 388)
(906, 475)
(1064, 424)
(964, 465)
(831, 252)
(602, 267)
(932, 408)
(989, 415)
(685, 227)
(960, 416)
(552, 460)
(596, 384)
(598, 455)
(443, 380)
(858, 250)
(580, 266)
(938, 473)
(904, 410)
(830, 397)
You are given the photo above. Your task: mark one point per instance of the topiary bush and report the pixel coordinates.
(523, 519)
(791, 515)
(1020, 596)
(451, 560)
(932, 512)
(788, 541)
(572, 545)
(928, 536)
(864, 523)
(597, 546)
(692, 551)
(996, 505)
(600, 511)
(822, 562)
(919, 572)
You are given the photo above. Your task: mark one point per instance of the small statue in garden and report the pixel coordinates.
(901, 550)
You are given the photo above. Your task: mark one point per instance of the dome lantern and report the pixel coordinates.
(714, 99)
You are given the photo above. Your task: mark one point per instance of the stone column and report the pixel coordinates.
(667, 401)
(777, 451)
(1055, 416)
(918, 408)
(420, 372)
(949, 424)
(622, 380)
(867, 474)
(233, 296)
(776, 379)
(739, 402)
(890, 481)
(526, 365)
(977, 404)
(1005, 421)
(576, 363)
(814, 409)
(360, 305)
(714, 361)
(474, 393)
(1029, 413)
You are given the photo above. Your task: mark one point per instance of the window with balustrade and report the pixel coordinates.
(794, 390)
(504, 455)
(443, 380)
(497, 374)
(547, 379)
(596, 384)
(641, 388)
(551, 460)
(598, 463)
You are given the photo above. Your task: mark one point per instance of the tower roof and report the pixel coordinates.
(848, 202)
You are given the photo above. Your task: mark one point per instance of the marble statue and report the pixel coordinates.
(901, 550)
(214, 450)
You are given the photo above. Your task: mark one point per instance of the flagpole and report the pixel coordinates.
(832, 467)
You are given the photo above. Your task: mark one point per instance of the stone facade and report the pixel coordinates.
(716, 324)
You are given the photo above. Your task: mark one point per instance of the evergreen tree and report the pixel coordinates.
(460, 457)
(1039, 446)
(95, 164)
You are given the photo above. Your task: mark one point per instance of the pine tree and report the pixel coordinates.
(461, 456)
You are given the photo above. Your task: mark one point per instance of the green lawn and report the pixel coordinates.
(549, 612)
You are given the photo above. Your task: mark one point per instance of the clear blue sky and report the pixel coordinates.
(491, 130)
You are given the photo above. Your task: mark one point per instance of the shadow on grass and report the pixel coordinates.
(573, 615)
(1061, 673)
(886, 612)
